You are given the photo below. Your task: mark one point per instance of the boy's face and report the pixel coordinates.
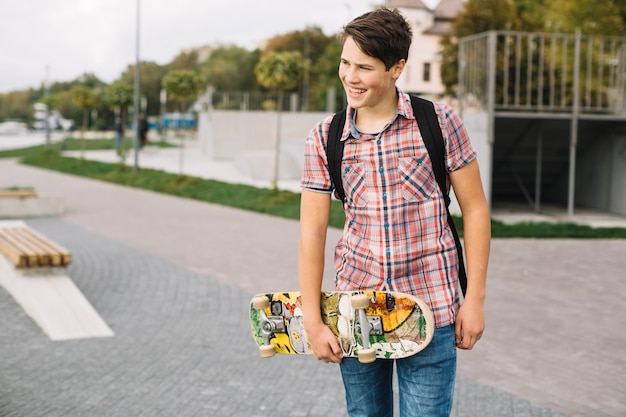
(365, 79)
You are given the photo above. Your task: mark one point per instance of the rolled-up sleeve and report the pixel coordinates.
(459, 149)
(315, 176)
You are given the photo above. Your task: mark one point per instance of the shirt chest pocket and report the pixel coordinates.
(418, 181)
(354, 184)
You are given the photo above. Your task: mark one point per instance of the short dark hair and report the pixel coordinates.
(383, 33)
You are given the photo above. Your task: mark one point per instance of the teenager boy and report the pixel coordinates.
(396, 235)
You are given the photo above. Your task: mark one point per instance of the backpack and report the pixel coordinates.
(428, 125)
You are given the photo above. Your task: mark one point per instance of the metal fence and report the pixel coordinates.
(250, 101)
(539, 72)
(263, 101)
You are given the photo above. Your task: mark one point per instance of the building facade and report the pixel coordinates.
(422, 72)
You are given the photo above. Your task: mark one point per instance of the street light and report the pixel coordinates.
(137, 103)
(47, 94)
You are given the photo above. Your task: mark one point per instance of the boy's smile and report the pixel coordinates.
(366, 81)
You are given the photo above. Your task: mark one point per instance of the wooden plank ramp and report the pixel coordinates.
(33, 271)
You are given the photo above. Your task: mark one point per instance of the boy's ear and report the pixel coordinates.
(398, 68)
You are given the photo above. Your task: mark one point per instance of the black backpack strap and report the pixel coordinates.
(428, 124)
(334, 152)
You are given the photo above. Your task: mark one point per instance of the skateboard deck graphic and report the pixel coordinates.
(396, 325)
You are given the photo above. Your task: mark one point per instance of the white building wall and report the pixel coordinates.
(424, 48)
(477, 126)
(249, 138)
(617, 201)
(601, 175)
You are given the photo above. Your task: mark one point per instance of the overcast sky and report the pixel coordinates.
(66, 38)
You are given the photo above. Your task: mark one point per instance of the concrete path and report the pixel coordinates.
(173, 277)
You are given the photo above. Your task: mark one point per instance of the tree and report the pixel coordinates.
(280, 71)
(51, 101)
(184, 60)
(326, 69)
(184, 86)
(313, 45)
(18, 105)
(151, 76)
(120, 95)
(231, 68)
(85, 98)
(477, 16)
(591, 17)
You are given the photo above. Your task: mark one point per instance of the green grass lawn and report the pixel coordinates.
(277, 203)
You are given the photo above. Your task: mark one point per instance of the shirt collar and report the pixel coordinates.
(404, 104)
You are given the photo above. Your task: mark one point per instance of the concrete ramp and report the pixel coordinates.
(15, 206)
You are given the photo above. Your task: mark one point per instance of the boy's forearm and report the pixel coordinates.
(477, 243)
(310, 276)
(314, 217)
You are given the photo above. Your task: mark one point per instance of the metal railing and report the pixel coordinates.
(540, 72)
(252, 101)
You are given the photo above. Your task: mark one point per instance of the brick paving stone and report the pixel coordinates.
(182, 347)
(156, 267)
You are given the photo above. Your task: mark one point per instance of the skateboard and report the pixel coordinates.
(368, 324)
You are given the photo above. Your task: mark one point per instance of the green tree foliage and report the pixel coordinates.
(326, 69)
(88, 81)
(314, 46)
(119, 95)
(182, 85)
(231, 68)
(151, 74)
(280, 71)
(18, 105)
(477, 16)
(51, 101)
(184, 60)
(591, 17)
(85, 98)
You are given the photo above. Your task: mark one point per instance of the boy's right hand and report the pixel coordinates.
(324, 345)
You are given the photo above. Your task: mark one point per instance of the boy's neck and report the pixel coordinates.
(374, 119)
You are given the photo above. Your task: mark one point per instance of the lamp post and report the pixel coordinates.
(137, 102)
(47, 94)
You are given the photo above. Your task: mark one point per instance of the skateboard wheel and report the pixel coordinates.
(260, 302)
(360, 301)
(267, 351)
(367, 355)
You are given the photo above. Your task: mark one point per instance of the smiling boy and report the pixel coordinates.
(396, 236)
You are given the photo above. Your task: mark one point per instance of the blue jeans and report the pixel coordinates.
(425, 381)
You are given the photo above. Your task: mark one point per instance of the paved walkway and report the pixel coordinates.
(173, 277)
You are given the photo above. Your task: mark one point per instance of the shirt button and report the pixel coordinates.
(378, 142)
(381, 170)
(386, 225)
(347, 169)
(385, 197)
(419, 161)
(388, 253)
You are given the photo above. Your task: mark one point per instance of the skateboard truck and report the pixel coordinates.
(375, 323)
(360, 302)
(269, 326)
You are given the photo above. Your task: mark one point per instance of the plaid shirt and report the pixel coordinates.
(396, 236)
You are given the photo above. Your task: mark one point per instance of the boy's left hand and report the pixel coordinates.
(470, 324)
